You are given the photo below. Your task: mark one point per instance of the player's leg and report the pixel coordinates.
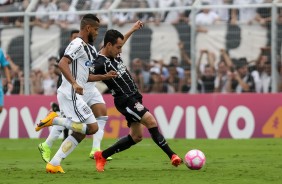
(66, 133)
(135, 135)
(1, 98)
(68, 145)
(128, 108)
(97, 104)
(150, 122)
(76, 112)
(100, 113)
(45, 147)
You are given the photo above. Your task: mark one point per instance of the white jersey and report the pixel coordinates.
(82, 56)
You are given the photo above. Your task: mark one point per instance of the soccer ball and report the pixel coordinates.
(195, 159)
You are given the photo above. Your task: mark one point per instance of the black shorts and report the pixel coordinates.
(131, 107)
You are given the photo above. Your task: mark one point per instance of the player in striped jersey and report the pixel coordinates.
(128, 101)
(75, 67)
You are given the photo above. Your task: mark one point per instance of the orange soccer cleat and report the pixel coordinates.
(100, 161)
(175, 160)
(48, 121)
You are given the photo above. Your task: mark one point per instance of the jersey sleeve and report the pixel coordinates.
(3, 61)
(74, 50)
(99, 66)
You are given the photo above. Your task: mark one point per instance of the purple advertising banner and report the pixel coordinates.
(188, 116)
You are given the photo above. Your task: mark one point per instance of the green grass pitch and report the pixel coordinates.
(229, 161)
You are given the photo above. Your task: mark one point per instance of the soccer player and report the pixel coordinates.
(128, 101)
(4, 63)
(75, 67)
(94, 100)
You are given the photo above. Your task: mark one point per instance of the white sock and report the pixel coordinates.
(54, 134)
(98, 136)
(66, 148)
(74, 126)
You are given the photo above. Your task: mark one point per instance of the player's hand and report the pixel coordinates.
(77, 88)
(111, 74)
(138, 25)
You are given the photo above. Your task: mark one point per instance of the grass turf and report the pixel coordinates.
(252, 161)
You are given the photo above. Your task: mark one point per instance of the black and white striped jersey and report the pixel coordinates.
(82, 56)
(121, 86)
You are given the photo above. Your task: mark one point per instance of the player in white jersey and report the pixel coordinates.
(75, 67)
(94, 100)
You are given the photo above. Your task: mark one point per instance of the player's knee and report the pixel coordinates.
(1, 109)
(78, 136)
(137, 138)
(148, 120)
(92, 129)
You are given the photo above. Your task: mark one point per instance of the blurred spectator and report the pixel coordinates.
(8, 6)
(73, 35)
(264, 18)
(17, 78)
(263, 14)
(262, 72)
(64, 20)
(223, 68)
(50, 78)
(175, 62)
(221, 78)
(45, 21)
(20, 20)
(185, 59)
(240, 80)
(172, 83)
(279, 76)
(97, 4)
(81, 5)
(164, 4)
(245, 15)
(36, 78)
(156, 84)
(185, 83)
(140, 76)
(157, 66)
(205, 18)
(121, 18)
(143, 16)
(206, 78)
(104, 17)
(223, 13)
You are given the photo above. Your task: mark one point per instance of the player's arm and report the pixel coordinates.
(100, 77)
(138, 25)
(8, 77)
(64, 67)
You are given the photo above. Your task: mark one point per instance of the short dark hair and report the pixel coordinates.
(88, 19)
(74, 31)
(111, 36)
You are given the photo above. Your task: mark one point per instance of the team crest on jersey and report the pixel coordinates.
(139, 106)
(121, 68)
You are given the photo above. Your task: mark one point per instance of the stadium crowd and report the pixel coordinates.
(227, 76)
(215, 74)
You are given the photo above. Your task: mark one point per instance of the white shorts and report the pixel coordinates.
(93, 97)
(77, 110)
